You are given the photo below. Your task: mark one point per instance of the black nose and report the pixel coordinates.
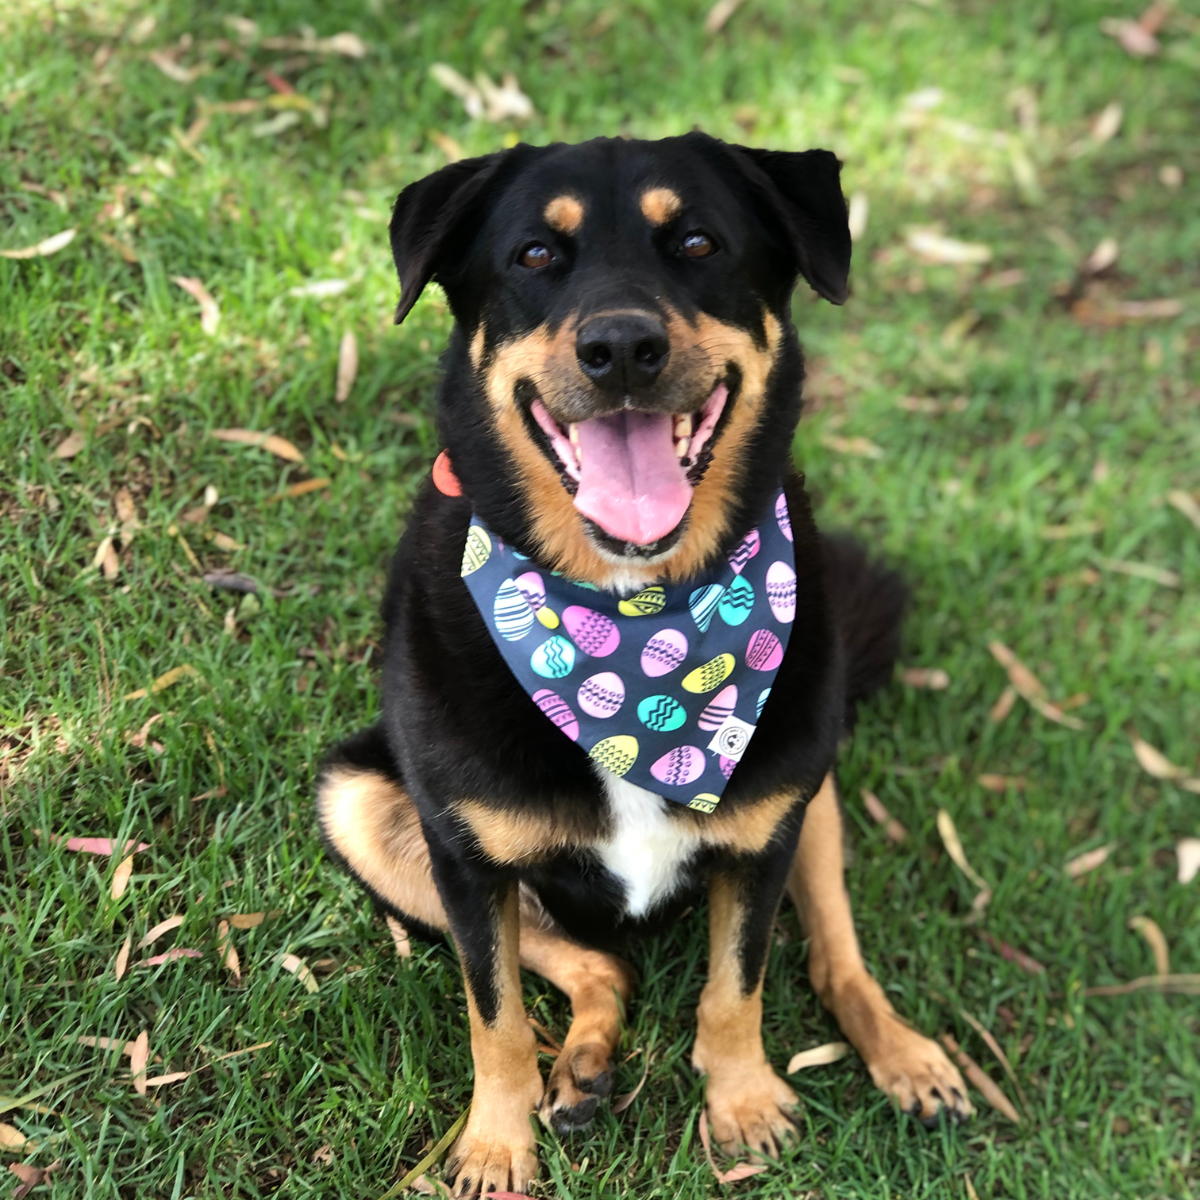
(624, 350)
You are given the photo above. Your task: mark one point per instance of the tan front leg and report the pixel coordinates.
(746, 1099)
(910, 1068)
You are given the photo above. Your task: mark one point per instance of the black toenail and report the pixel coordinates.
(550, 1099)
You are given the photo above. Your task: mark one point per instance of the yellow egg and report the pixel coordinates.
(711, 675)
(616, 754)
(477, 550)
(705, 802)
(646, 603)
(548, 617)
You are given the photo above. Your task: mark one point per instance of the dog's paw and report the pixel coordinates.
(750, 1108)
(498, 1156)
(918, 1076)
(582, 1076)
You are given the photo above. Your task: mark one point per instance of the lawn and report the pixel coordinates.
(1016, 431)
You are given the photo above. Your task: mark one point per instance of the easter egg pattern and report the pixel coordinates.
(554, 658)
(616, 754)
(647, 603)
(737, 602)
(719, 709)
(661, 713)
(782, 517)
(726, 765)
(713, 673)
(744, 551)
(781, 592)
(705, 802)
(664, 652)
(765, 652)
(593, 632)
(511, 612)
(601, 695)
(532, 588)
(548, 617)
(703, 603)
(680, 766)
(477, 550)
(559, 711)
(762, 699)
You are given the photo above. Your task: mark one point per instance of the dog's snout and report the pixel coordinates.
(622, 351)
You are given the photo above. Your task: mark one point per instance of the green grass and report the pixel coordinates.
(375, 1065)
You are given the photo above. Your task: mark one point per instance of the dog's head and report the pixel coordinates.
(624, 378)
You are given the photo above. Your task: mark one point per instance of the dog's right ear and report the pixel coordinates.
(425, 218)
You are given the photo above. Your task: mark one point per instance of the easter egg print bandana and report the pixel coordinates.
(662, 688)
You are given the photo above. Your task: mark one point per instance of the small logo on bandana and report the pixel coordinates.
(732, 738)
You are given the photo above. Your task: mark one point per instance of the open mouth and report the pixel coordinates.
(632, 472)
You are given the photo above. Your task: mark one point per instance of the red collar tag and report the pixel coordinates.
(444, 478)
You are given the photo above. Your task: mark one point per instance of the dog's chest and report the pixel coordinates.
(647, 850)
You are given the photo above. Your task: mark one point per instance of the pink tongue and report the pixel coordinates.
(630, 481)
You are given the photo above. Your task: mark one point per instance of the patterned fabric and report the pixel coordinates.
(664, 687)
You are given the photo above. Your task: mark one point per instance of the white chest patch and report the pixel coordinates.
(647, 849)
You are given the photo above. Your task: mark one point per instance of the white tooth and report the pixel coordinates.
(683, 426)
(681, 448)
(573, 434)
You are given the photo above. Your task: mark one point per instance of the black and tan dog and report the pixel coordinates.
(588, 282)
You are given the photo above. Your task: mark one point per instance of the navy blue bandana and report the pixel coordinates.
(662, 688)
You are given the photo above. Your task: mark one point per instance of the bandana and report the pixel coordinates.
(662, 688)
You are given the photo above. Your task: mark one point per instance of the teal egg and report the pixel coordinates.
(737, 602)
(661, 713)
(554, 658)
(703, 603)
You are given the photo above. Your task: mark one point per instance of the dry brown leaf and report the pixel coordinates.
(1126, 311)
(138, 740)
(300, 489)
(165, 680)
(1028, 964)
(818, 1056)
(719, 14)
(121, 877)
(44, 248)
(126, 509)
(739, 1171)
(175, 70)
(1070, 529)
(1020, 676)
(1107, 124)
(1156, 940)
(622, 1102)
(954, 848)
(138, 1060)
(1003, 706)
(124, 249)
(347, 368)
(1106, 253)
(1081, 864)
(447, 145)
(934, 248)
(1185, 502)
(1187, 852)
(857, 215)
(248, 920)
(278, 446)
(106, 1043)
(223, 541)
(210, 314)
(11, 1138)
(70, 445)
(90, 845)
(106, 560)
(289, 962)
(986, 1087)
(1002, 1058)
(170, 955)
(1168, 985)
(1131, 36)
(1001, 783)
(1153, 761)
(860, 447)
(1159, 575)
(399, 937)
(972, 1194)
(892, 828)
(30, 1177)
(227, 951)
(158, 930)
(122, 963)
(933, 678)
(173, 1077)
(320, 289)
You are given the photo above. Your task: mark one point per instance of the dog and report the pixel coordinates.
(617, 408)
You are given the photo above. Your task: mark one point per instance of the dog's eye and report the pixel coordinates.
(698, 244)
(535, 255)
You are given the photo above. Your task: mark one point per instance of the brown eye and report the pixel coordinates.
(698, 244)
(535, 255)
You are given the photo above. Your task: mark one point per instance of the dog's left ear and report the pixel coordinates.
(426, 218)
(805, 192)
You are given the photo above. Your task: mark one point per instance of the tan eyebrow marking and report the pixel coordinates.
(564, 214)
(659, 205)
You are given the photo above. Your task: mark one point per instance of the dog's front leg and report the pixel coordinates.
(497, 1150)
(747, 1101)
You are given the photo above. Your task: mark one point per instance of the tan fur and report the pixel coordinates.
(907, 1066)
(524, 837)
(565, 214)
(477, 344)
(746, 1099)
(660, 205)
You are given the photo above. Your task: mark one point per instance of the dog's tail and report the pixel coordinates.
(868, 602)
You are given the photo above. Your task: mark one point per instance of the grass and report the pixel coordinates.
(1062, 424)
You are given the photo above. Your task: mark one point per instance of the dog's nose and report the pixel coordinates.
(624, 350)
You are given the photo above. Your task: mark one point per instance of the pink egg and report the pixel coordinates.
(726, 765)
(664, 652)
(765, 652)
(781, 592)
(744, 551)
(680, 766)
(719, 709)
(532, 588)
(559, 711)
(591, 631)
(782, 517)
(601, 695)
